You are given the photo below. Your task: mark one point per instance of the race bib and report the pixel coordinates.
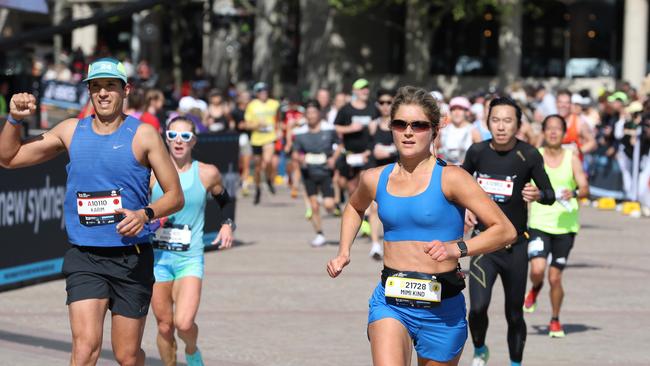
(173, 237)
(406, 291)
(498, 187)
(266, 128)
(355, 160)
(98, 208)
(315, 159)
(364, 120)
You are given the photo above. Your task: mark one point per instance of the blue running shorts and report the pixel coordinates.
(170, 266)
(438, 334)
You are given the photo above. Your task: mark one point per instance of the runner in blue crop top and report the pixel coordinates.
(421, 203)
(178, 258)
(109, 266)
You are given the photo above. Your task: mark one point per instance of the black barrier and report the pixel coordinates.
(221, 150)
(31, 212)
(31, 222)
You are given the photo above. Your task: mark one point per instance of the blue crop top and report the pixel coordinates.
(424, 217)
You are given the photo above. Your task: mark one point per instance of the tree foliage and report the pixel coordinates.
(459, 9)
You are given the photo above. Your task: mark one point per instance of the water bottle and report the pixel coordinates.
(565, 203)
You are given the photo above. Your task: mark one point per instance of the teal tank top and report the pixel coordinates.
(193, 212)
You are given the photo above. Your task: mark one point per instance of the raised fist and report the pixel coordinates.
(22, 105)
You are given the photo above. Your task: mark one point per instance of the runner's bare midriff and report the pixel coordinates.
(410, 256)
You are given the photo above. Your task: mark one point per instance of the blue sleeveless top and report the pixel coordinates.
(193, 212)
(103, 173)
(424, 217)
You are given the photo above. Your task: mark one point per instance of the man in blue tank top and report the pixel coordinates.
(110, 264)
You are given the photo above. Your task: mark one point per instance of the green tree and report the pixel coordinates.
(423, 17)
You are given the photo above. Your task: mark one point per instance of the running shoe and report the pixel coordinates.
(258, 195)
(318, 241)
(365, 228)
(337, 210)
(308, 213)
(481, 358)
(530, 303)
(245, 192)
(294, 192)
(271, 187)
(376, 251)
(555, 329)
(194, 359)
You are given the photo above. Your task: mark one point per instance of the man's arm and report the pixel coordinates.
(587, 139)
(543, 183)
(172, 199)
(15, 153)
(580, 177)
(148, 143)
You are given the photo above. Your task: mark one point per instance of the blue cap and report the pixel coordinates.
(258, 87)
(106, 68)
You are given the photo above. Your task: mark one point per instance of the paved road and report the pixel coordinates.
(269, 301)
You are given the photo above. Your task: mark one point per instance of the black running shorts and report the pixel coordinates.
(314, 184)
(559, 246)
(123, 275)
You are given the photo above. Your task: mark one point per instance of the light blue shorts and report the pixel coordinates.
(438, 334)
(170, 266)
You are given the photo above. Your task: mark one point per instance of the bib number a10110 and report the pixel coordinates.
(98, 208)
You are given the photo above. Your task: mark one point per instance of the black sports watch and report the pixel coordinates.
(230, 223)
(463, 248)
(149, 212)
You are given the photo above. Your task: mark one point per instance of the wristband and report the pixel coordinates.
(13, 121)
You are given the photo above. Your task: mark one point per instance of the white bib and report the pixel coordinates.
(174, 235)
(355, 160)
(413, 289)
(315, 159)
(496, 186)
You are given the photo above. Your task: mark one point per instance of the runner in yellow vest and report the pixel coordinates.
(261, 117)
(553, 228)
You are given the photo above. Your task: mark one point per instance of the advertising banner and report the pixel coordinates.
(31, 211)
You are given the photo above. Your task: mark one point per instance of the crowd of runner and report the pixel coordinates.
(428, 178)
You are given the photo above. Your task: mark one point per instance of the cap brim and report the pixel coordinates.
(104, 76)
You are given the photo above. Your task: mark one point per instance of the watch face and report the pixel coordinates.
(149, 212)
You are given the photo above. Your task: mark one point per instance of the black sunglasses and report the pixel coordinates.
(384, 102)
(416, 126)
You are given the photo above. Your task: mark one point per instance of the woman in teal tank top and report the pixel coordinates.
(553, 228)
(178, 257)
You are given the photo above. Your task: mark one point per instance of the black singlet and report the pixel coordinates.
(506, 173)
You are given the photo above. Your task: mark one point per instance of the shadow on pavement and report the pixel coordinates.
(587, 265)
(568, 329)
(63, 346)
(211, 248)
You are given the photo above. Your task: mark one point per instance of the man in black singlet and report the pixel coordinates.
(504, 166)
(352, 123)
